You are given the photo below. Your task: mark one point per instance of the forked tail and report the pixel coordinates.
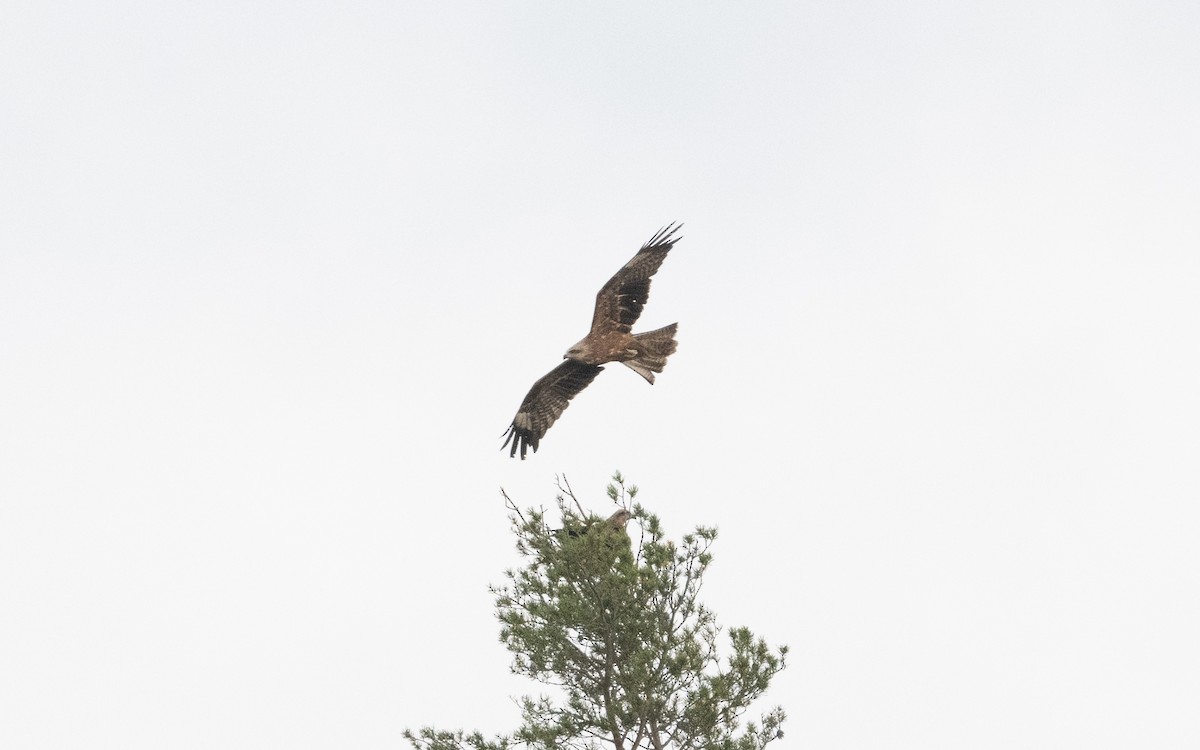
(653, 348)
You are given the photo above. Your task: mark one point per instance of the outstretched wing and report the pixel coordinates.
(620, 301)
(545, 403)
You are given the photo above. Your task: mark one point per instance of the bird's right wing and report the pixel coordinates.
(545, 403)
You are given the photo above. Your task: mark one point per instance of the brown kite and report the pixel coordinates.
(618, 305)
(616, 522)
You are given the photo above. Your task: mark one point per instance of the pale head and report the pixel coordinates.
(579, 351)
(620, 518)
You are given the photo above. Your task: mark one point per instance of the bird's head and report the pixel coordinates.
(577, 351)
(620, 518)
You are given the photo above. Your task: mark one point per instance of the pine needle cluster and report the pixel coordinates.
(617, 628)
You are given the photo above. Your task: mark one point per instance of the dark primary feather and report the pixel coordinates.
(545, 403)
(620, 301)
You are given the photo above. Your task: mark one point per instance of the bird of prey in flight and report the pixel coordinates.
(618, 305)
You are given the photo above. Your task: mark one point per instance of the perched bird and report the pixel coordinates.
(618, 305)
(616, 522)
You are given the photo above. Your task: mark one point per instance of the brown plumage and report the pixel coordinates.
(611, 339)
(616, 522)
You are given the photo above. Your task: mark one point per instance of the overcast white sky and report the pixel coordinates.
(274, 278)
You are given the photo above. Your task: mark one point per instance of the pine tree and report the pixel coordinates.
(619, 630)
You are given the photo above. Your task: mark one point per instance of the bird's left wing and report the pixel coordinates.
(620, 301)
(545, 403)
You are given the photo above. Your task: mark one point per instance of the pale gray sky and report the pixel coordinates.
(274, 278)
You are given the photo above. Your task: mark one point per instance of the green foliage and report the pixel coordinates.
(619, 630)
